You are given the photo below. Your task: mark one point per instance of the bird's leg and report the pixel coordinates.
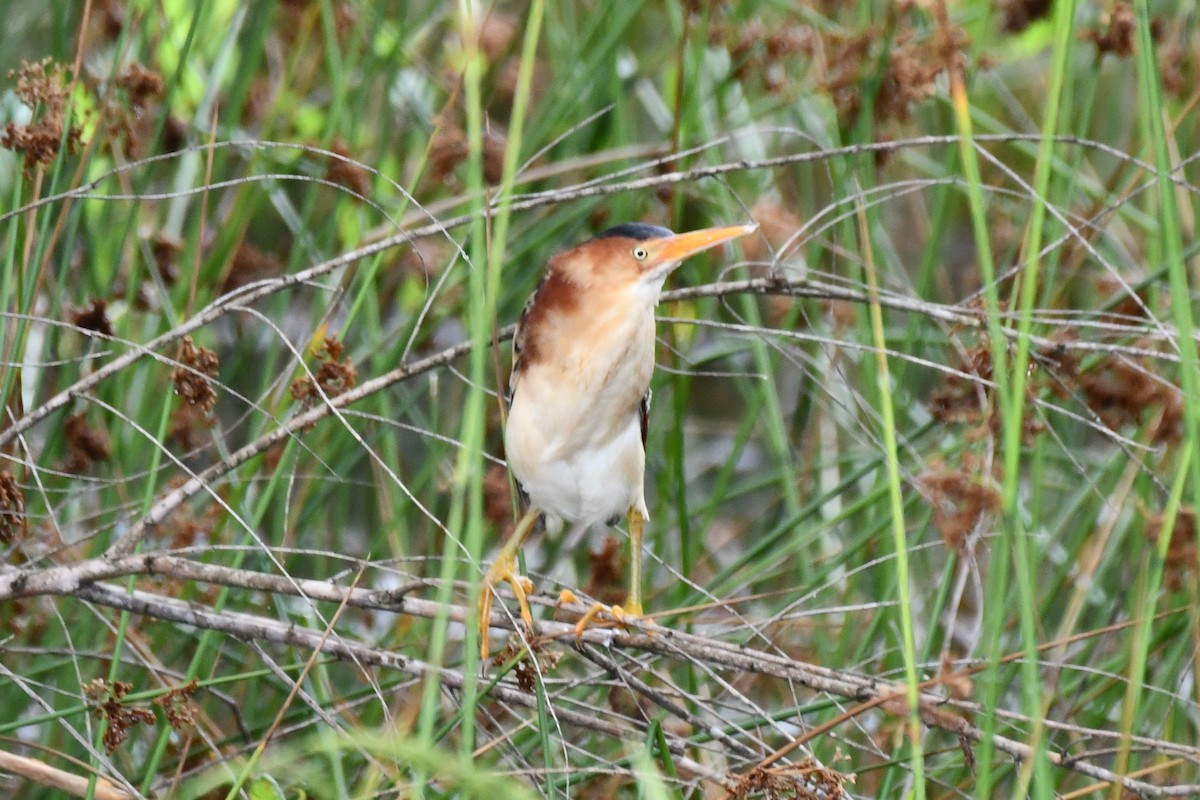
(633, 602)
(637, 527)
(504, 568)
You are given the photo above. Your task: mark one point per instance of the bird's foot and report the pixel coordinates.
(628, 616)
(503, 570)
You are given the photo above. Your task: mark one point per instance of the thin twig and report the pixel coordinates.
(936, 711)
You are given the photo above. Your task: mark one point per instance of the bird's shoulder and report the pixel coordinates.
(521, 338)
(554, 292)
(518, 342)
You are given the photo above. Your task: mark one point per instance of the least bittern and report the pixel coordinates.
(579, 394)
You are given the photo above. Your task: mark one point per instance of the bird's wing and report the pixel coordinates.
(519, 340)
(644, 417)
(515, 374)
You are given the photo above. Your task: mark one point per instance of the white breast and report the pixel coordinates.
(573, 438)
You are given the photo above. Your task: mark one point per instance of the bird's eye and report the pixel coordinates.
(640, 253)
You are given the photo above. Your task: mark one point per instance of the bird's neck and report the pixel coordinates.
(590, 338)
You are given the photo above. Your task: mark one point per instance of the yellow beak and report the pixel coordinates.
(670, 250)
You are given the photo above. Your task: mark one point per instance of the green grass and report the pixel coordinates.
(914, 443)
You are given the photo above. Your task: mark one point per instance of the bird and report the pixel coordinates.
(579, 396)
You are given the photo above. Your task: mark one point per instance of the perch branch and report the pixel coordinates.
(936, 711)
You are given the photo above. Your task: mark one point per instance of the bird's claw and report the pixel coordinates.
(628, 618)
(503, 570)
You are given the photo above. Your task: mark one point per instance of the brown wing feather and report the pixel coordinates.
(556, 294)
(519, 339)
(519, 347)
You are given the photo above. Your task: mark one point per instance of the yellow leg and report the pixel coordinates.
(504, 568)
(622, 615)
(637, 527)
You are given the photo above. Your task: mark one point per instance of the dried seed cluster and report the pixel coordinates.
(333, 377)
(193, 378)
(43, 87)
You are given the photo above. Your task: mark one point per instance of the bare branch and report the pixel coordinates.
(936, 711)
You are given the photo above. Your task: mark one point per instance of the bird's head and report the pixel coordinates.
(638, 256)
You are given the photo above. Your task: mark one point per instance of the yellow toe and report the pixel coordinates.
(587, 619)
(631, 611)
(504, 570)
(625, 617)
(485, 621)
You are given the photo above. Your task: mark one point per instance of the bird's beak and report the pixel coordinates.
(670, 250)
